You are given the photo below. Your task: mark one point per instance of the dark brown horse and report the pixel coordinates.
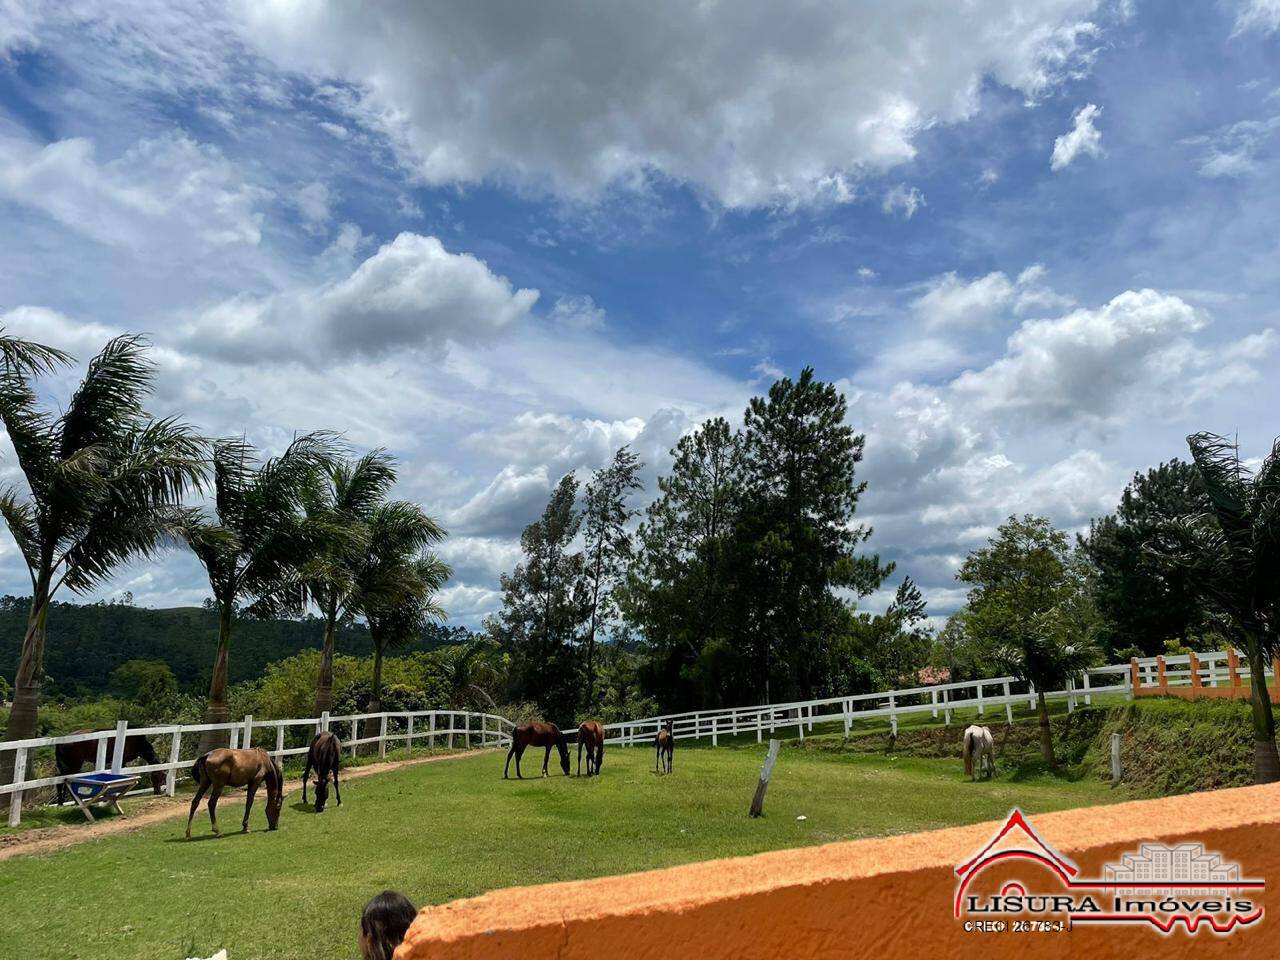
(224, 768)
(666, 746)
(323, 757)
(591, 736)
(537, 735)
(71, 758)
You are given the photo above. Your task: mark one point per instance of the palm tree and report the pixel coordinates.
(249, 542)
(339, 508)
(1231, 554)
(1045, 659)
(104, 481)
(397, 581)
(466, 668)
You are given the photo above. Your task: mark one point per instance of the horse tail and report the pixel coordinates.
(968, 753)
(198, 772)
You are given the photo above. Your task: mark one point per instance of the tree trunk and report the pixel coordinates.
(1046, 733)
(1266, 763)
(217, 710)
(24, 715)
(375, 701)
(324, 684)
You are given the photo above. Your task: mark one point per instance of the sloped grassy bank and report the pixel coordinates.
(1168, 746)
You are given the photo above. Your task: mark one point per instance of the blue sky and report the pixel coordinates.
(1033, 242)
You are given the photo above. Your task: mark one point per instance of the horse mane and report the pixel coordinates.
(146, 750)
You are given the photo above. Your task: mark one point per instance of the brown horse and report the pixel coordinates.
(591, 735)
(666, 746)
(224, 768)
(537, 735)
(323, 756)
(71, 758)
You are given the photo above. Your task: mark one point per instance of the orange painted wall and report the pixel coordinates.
(883, 898)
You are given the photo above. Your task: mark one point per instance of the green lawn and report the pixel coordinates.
(454, 829)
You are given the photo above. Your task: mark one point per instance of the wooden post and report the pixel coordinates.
(175, 754)
(466, 737)
(800, 725)
(408, 743)
(946, 708)
(759, 724)
(248, 730)
(235, 738)
(893, 714)
(934, 698)
(382, 737)
(355, 735)
(324, 721)
(848, 718)
(1212, 662)
(1135, 675)
(1233, 667)
(1071, 695)
(280, 742)
(1088, 697)
(981, 706)
(1031, 696)
(1164, 680)
(1193, 663)
(1115, 758)
(453, 722)
(809, 713)
(19, 775)
(100, 765)
(431, 739)
(757, 802)
(1008, 706)
(715, 731)
(117, 756)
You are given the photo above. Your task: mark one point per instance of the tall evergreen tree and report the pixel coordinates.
(678, 592)
(543, 609)
(1142, 602)
(605, 516)
(797, 529)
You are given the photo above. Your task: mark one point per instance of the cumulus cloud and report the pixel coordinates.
(1083, 139)
(953, 302)
(1086, 364)
(411, 293)
(592, 97)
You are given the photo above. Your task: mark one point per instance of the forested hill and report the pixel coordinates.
(87, 641)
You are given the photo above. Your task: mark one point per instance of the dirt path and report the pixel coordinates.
(41, 840)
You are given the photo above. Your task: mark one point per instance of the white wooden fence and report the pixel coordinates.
(446, 727)
(939, 700)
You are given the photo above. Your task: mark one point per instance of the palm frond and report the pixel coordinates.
(109, 399)
(20, 517)
(27, 358)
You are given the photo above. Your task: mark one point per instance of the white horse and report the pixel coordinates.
(979, 747)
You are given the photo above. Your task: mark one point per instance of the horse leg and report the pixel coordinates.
(249, 792)
(507, 769)
(546, 758)
(657, 755)
(336, 792)
(519, 753)
(213, 809)
(306, 775)
(580, 759)
(195, 803)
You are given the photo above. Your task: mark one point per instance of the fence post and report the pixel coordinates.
(408, 742)
(355, 735)
(382, 737)
(1135, 677)
(1031, 696)
(235, 738)
(1233, 666)
(800, 725)
(1008, 705)
(453, 722)
(175, 754)
(848, 716)
(431, 741)
(809, 713)
(1193, 663)
(1071, 695)
(324, 721)
(466, 736)
(1164, 680)
(100, 764)
(893, 714)
(982, 707)
(759, 724)
(117, 756)
(715, 730)
(933, 696)
(280, 742)
(1088, 697)
(1115, 758)
(1212, 663)
(19, 775)
(248, 730)
(946, 708)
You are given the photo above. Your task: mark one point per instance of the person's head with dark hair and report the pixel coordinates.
(383, 924)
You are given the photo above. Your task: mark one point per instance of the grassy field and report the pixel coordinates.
(454, 829)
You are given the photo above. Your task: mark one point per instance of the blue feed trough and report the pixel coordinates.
(104, 788)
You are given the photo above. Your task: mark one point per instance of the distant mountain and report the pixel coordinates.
(88, 641)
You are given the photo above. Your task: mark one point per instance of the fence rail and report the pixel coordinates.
(999, 694)
(429, 726)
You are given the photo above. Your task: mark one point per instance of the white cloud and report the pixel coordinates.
(903, 198)
(577, 313)
(164, 196)
(1261, 15)
(953, 302)
(1092, 365)
(591, 97)
(1233, 150)
(314, 201)
(411, 293)
(1083, 139)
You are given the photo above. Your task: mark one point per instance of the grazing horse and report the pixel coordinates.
(591, 736)
(537, 735)
(224, 768)
(666, 747)
(71, 758)
(979, 748)
(323, 757)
